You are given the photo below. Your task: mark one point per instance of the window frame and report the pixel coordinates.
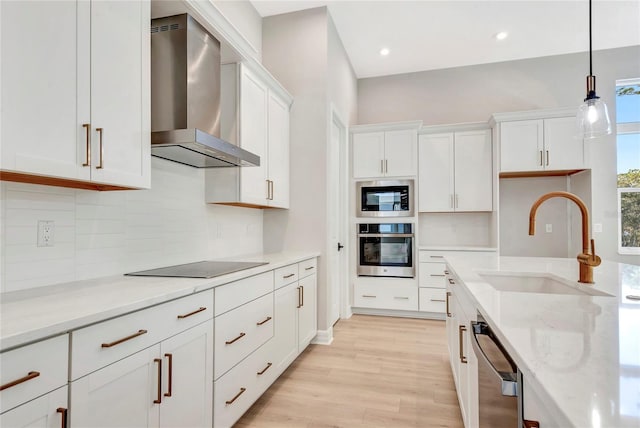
(621, 249)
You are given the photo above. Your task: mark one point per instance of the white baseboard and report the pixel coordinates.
(323, 337)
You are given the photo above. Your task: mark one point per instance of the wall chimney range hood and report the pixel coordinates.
(185, 97)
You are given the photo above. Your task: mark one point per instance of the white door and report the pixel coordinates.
(119, 93)
(368, 155)
(307, 312)
(47, 411)
(521, 145)
(187, 390)
(400, 151)
(473, 171)
(436, 184)
(278, 147)
(562, 149)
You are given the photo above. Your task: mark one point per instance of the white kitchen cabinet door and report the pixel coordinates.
(120, 109)
(307, 312)
(473, 171)
(47, 411)
(253, 137)
(187, 391)
(125, 393)
(522, 145)
(436, 178)
(368, 154)
(278, 159)
(562, 149)
(40, 133)
(400, 148)
(284, 343)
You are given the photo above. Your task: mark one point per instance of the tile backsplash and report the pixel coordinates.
(109, 233)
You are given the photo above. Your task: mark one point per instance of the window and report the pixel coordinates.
(628, 140)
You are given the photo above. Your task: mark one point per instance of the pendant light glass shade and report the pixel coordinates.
(593, 117)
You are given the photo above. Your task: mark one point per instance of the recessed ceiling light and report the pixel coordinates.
(501, 35)
(384, 51)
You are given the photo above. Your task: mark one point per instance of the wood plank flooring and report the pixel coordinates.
(378, 372)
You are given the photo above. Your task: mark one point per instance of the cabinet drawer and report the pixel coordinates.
(186, 312)
(234, 294)
(241, 331)
(432, 300)
(432, 256)
(382, 296)
(307, 267)
(245, 382)
(43, 367)
(286, 275)
(432, 275)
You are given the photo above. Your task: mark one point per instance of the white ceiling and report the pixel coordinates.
(428, 35)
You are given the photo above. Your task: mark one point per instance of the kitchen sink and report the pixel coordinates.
(528, 283)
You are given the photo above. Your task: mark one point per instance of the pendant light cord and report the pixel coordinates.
(590, 48)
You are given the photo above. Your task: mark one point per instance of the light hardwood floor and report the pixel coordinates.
(378, 372)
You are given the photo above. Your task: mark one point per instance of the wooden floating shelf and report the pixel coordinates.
(59, 182)
(529, 174)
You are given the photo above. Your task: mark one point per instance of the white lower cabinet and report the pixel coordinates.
(48, 411)
(307, 319)
(285, 338)
(383, 295)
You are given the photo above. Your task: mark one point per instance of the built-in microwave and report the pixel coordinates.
(384, 198)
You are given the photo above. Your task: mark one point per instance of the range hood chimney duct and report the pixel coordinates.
(185, 96)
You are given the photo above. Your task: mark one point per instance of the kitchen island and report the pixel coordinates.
(579, 353)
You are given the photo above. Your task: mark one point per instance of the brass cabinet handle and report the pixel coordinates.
(401, 297)
(540, 157)
(433, 274)
(266, 320)
(242, 390)
(382, 166)
(192, 313)
(101, 164)
(309, 268)
(268, 189)
(87, 161)
(369, 295)
(288, 276)
(240, 336)
(446, 272)
(64, 416)
(299, 295)
(437, 300)
(261, 372)
(530, 424)
(271, 181)
(124, 339)
(170, 374)
(462, 329)
(302, 288)
(547, 157)
(29, 376)
(158, 400)
(447, 301)
(386, 165)
(437, 257)
(451, 281)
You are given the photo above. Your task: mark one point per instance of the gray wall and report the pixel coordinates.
(302, 50)
(473, 93)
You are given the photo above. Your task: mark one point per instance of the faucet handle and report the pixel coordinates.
(594, 259)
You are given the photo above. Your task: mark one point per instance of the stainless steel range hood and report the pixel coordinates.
(185, 97)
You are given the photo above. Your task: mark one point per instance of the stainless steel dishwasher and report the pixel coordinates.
(498, 379)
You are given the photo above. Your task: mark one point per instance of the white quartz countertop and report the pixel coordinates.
(580, 352)
(455, 248)
(30, 315)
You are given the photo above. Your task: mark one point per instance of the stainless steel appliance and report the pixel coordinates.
(384, 198)
(205, 269)
(498, 380)
(386, 249)
(185, 96)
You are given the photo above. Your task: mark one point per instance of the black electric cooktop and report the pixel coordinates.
(205, 269)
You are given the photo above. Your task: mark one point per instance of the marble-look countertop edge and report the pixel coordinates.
(160, 290)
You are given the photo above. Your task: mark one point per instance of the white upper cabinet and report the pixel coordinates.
(380, 152)
(76, 107)
(455, 171)
(255, 116)
(531, 141)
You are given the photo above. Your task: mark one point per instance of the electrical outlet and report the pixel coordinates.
(46, 233)
(548, 227)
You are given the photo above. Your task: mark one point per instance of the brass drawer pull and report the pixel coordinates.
(288, 276)
(266, 320)
(462, 329)
(369, 296)
(309, 268)
(124, 339)
(192, 313)
(229, 342)
(437, 257)
(242, 390)
(158, 400)
(433, 274)
(302, 288)
(447, 301)
(29, 376)
(101, 164)
(261, 372)
(437, 300)
(170, 358)
(299, 297)
(451, 281)
(401, 297)
(64, 416)
(87, 161)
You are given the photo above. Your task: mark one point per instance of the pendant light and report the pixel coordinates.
(593, 117)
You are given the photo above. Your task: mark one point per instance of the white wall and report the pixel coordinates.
(473, 93)
(245, 18)
(110, 233)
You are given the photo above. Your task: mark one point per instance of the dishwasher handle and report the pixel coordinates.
(508, 380)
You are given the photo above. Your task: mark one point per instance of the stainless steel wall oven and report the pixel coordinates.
(384, 198)
(386, 249)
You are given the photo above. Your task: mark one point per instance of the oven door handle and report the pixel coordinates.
(386, 235)
(508, 380)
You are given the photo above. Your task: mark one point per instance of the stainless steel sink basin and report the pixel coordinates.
(528, 283)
